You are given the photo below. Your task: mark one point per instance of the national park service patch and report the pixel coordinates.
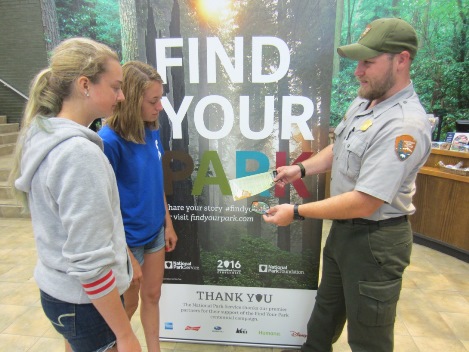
(404, 146)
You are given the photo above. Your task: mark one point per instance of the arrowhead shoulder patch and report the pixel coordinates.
(404, 146)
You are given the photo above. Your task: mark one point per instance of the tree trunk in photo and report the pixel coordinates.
(150, 35)
(426, 22)
(187, 231)
(257, 108)
(461, 54)
(338, 34)
(350, 14)
(50, 22)
(321, 87)
(129, 30)
(92, 12)
(395, 9)
(204, 143)
(283, 238)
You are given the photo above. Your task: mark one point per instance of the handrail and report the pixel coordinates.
(14, 89)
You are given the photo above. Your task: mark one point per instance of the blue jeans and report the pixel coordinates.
(154, 245)
(80, 324)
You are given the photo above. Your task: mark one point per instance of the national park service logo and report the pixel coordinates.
(404, 146)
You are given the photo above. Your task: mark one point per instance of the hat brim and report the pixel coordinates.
(357, 52)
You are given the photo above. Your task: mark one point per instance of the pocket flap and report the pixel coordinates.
(356, 146)
(381, 291)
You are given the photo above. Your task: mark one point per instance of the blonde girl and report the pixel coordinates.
(64, 178)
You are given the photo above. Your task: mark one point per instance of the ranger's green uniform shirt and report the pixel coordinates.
(379, 151)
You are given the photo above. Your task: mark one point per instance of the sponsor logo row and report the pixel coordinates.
(218, 329)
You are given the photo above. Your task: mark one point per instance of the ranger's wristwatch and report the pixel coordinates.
(296, 215)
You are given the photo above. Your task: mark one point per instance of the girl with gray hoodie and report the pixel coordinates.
(62, 175)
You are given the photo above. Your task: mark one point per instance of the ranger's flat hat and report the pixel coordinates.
(385, 35)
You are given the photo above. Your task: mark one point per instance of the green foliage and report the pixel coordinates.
(95, 19)
(449, 122)
(344, 90)
(253, 251)
(440, 71)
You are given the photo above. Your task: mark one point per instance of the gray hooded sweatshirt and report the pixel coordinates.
(76, 218)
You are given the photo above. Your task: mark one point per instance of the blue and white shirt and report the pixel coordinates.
(139, 174)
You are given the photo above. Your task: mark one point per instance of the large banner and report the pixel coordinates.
(248, 90)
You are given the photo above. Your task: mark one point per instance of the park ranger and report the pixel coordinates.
(381, 143)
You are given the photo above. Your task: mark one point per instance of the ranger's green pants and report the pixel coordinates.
(361, 282)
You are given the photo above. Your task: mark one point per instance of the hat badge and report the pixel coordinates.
(365, 32)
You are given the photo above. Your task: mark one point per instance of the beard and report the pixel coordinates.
(378, 87)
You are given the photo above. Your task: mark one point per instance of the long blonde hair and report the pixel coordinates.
(71, 59)
(127, 120)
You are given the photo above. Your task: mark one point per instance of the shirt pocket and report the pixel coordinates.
(353, 150)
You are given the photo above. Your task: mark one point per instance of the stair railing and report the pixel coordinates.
(13, 89)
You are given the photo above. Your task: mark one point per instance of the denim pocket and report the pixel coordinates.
(378, 301)
(61, 314)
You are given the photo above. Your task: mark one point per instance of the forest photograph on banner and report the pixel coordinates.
(247, 89)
